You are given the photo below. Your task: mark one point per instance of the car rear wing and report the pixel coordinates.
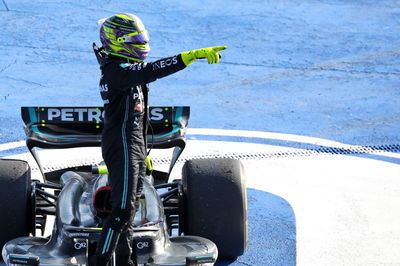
(70, 127)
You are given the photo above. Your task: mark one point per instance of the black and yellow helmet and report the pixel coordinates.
(124, 35)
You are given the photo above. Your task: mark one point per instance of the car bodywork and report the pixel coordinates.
(80, 198)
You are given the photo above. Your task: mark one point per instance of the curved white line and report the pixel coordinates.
(12, 145)
(263, 135)
(232, 133)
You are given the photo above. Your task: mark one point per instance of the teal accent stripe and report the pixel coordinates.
(107, 239)
(175, 128)
(19, 257)
(32, 115)
(125, 154)
(205, 256)
(124, 65)
(178, 114)
(35, 129)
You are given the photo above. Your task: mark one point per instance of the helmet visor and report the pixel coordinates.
(135, 37)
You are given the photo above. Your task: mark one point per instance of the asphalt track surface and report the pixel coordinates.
(315, 83)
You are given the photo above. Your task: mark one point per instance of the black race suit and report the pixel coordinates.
(123, 88)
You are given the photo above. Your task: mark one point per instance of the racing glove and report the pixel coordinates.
(211, 53)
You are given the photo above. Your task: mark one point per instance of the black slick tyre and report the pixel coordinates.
(15, 200)
(215, 204)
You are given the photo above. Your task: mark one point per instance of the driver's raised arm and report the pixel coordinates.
(124, 75)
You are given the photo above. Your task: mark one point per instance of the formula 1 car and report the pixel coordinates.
(194, 220)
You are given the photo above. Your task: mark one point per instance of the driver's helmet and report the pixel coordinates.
(124, 35)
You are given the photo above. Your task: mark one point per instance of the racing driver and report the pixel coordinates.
(124, 90)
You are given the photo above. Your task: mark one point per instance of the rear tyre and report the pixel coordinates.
(215, 204)
(15, 199)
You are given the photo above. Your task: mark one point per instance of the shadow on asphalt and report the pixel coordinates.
(272, 231)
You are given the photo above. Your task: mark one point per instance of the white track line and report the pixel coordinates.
(262, 135)
(12, 145)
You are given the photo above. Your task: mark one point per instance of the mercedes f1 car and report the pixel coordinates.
(194, 220)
